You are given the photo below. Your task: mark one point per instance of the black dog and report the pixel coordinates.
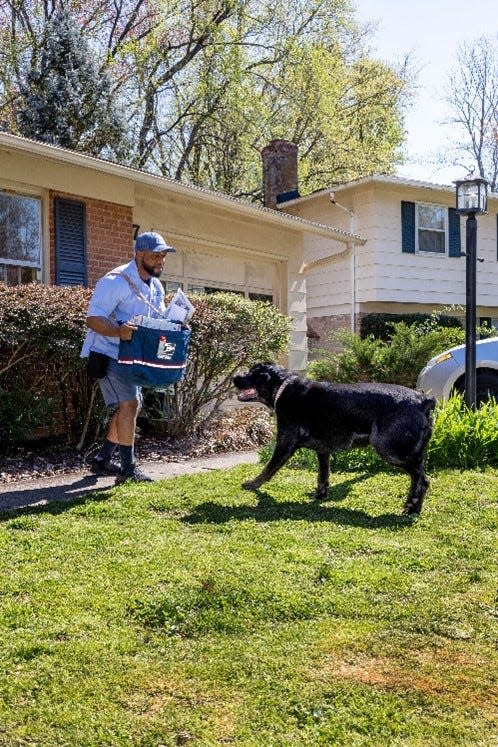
(395, 420)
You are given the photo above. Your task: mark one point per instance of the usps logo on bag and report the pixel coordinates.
(165, 349)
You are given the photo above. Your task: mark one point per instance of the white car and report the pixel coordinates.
(445, 373)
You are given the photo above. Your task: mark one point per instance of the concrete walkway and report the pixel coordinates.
(72, 485)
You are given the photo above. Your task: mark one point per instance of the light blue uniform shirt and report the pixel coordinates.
(113, 297)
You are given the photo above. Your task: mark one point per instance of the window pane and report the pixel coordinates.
(28, 275)
(20, 229)
(212, 289)
(431, 241)
(431, 216)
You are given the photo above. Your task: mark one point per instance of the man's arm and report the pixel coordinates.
(110, 328)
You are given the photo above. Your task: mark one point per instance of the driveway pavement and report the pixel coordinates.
(67, 487)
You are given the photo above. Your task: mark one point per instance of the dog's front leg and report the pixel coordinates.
(322, 487)
(284, 449)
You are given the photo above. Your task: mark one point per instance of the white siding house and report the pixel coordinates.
(405, 255)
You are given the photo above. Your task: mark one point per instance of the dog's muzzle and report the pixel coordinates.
(246, 393)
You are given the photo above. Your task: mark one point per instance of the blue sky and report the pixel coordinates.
(431, 33)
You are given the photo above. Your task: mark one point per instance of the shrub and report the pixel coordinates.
(228, 332)
(381, 325)
(463, 437)
(43, 380)
(397, 361)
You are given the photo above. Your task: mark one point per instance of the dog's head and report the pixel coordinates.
(260, 383)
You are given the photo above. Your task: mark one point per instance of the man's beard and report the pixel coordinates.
(153, 270)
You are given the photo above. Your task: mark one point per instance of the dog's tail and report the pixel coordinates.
(428, 406)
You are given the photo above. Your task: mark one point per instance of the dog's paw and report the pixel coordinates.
(412, 509)
(320, 494)
(251, 485)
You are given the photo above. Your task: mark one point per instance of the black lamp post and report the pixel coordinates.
(471, 200)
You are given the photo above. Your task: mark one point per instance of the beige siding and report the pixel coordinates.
(220, 242)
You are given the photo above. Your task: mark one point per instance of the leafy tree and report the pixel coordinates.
(207, 83)
(340, 107)
(65, 99)
(473, 98)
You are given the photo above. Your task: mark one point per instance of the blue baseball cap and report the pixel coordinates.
(152, 242)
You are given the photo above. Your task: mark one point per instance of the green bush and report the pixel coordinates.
(398, 361)
(21, 413)
(43, 380)
(381, 325)
(462, 438)
(229, 332)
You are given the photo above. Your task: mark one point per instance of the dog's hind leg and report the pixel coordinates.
(322, 487)
(418, 489)
(403, 444)
(284, 449)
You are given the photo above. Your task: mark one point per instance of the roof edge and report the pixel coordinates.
(291, 222)
(374, 179)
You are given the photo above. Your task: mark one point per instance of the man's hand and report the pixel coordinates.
(110, 328)
(126, 331)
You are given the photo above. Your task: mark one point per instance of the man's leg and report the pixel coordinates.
(102, 463)
(125, 423)
(116, 390)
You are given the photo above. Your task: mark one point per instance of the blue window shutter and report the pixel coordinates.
(70, 242)
(408, 227)
(454, 245)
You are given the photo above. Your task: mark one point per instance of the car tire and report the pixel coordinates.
(486, 386)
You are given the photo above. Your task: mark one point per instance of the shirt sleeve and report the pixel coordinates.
(109, 292)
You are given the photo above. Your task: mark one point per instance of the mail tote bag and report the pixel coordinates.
(155, 357)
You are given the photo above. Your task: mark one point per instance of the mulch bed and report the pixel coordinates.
(238, 429)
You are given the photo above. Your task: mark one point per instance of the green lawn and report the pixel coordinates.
(193, 612)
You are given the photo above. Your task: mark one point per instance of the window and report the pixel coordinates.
(170, 286)
(20, 238)
(261, 297)
(208, 289)
(428, 229)
(431, 228)
(251, 295)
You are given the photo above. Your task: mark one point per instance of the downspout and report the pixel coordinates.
(352, 260)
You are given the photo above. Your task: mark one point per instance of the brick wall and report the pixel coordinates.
(322, 328)
(279, 170)
(109, 235)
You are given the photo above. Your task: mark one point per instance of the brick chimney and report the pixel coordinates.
(279, 172)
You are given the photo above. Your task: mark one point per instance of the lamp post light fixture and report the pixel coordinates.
(471, 200)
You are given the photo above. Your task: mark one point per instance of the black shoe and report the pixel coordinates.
(134, 474)
(103, 467)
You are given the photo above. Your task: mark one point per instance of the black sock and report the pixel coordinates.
(106, 451)
(127, 457)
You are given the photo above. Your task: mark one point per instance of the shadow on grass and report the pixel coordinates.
(268, 509)
(52, 499)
